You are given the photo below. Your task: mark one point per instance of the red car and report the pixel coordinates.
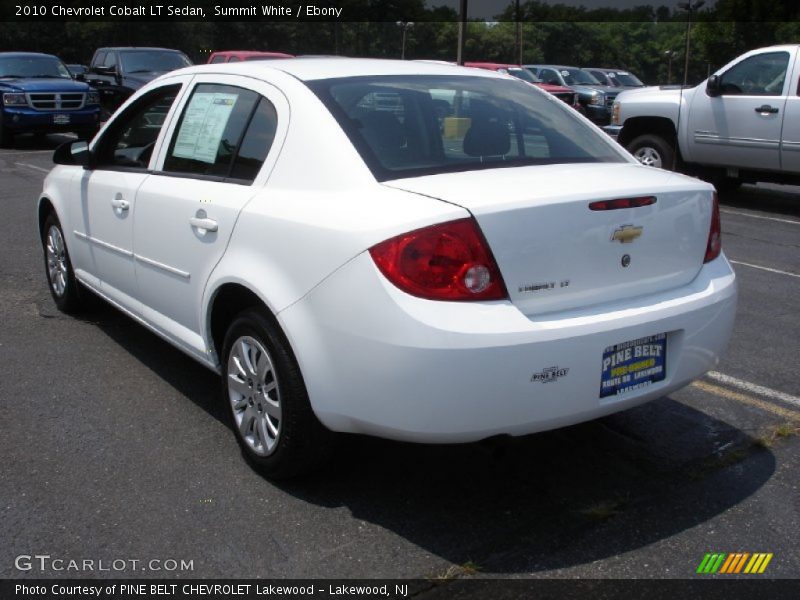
(224, 56)
(564, 93)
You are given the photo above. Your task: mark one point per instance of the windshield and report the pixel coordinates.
(625, 79)
(33, 66)
(578, 77)
(523, 74)
(404, 126)
(152, 60)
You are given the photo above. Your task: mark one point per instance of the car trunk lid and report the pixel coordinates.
(555, 253)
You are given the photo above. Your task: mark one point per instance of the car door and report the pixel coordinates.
(741, 127)
(186, 211)
(790, 144)
(121, 156)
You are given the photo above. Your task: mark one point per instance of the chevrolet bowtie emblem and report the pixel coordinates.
(626, 234)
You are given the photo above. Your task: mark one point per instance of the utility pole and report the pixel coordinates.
(518, 32)
(462, 30)
(689, 7)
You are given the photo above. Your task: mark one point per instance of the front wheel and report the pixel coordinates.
(6, 137)
(267, 400)
(60, 276)
(653, 151)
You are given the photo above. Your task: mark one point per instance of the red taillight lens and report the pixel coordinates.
(449, 261)
(714, 246)
(622, 203)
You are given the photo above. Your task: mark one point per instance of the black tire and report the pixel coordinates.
(58, 264)
(726, 185)
(653, 150)
(301, 443)
(6, 137)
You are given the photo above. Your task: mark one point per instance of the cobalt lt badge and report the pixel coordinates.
(549, 374)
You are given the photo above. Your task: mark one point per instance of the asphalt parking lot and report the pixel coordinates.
(115, 447)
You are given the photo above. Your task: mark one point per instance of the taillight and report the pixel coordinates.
(714, 246)
(449, 261)
(622, 203)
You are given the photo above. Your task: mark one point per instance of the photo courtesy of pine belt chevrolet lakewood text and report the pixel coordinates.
(410, 250)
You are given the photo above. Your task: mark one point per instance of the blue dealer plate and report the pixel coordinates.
(633, 365)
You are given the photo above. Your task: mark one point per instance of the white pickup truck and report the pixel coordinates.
(741, 125)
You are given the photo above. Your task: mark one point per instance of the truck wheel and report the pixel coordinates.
(653, 151)
(6, 137)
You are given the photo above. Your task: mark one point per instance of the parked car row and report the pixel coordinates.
(78, 98)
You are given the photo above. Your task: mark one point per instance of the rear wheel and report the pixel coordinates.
(60, 277)
(267, 400)
(653, 151)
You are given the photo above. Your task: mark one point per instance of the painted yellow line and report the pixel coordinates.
(765, 563)
(741, 562)
(749, 400)
(755, 563)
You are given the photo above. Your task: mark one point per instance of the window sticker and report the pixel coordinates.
(203, 125)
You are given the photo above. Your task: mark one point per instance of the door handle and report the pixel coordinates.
(120, 204)
(765, 109)
(204, 223)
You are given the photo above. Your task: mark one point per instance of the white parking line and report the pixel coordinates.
(33, 167)
(778, 271)
(744, 214)
(20, 152)
(754, 388)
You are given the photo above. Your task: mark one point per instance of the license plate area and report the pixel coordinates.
(60, 119)
(633, 365)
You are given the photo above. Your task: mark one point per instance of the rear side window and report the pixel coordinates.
(225, 132)
(256, 143)
(210, 130)
(406, 126)
(219, 58)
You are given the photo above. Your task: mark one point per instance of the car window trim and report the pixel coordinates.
(227, 177)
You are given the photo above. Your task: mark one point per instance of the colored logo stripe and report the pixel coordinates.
(721, 562)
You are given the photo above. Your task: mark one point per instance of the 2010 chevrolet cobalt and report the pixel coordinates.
(409, 250)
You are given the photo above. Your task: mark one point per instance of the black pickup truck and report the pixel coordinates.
(118, 72)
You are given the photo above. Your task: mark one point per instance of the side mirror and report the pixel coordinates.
(103, 70)
(714, 86)
(73, 153)
(80, 77)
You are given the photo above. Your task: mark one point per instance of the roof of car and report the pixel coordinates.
(24, 54)
(491, 65)
(137, 49)
(309, 69)
(250, 53)
(551, 66)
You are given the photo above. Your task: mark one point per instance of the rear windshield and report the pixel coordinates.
(149, 61)
(405, 126)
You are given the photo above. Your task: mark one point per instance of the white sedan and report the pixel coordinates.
(415, 251)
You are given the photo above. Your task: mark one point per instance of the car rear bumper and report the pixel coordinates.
(380, 362)
(24, 120)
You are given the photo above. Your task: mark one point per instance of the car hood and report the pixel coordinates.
(588, 89)
(54, 84)
(553, 89)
